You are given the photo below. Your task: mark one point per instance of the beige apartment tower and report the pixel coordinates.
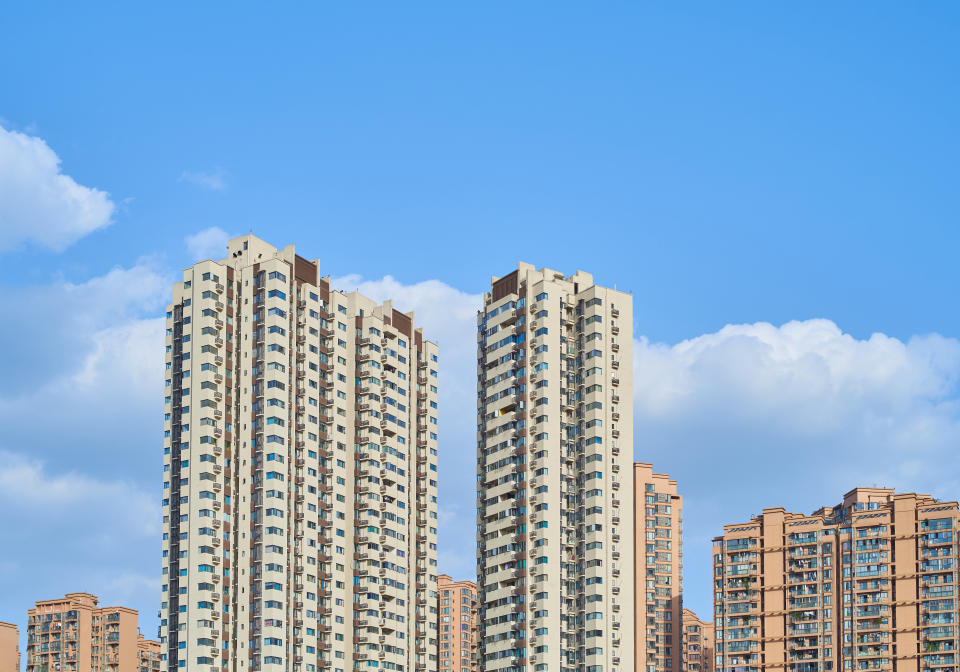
(554, 475)
(74, 634)
(300, 473)
(458, 625)
(868, 584)
(9, 647)
(697, 643)
(658, 571)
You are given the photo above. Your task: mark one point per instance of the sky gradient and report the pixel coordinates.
(776, 185)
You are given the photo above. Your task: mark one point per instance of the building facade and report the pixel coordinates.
(74, 634)
(148, 655)
(457, 651)
(697, 643)
(658, 571)
(867, 584)
(554, 476)
(300, 473)
(9, 647)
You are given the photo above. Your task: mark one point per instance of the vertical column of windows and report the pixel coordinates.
(502, 484)
(738, 586)
(173, 494)
(937, 586)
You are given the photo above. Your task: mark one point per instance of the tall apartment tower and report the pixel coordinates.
(658, 571)
(457, 651)
(554, 476)
(74, 634)
(697, 643)
(867, 584)
(300, 473)
(9, 647)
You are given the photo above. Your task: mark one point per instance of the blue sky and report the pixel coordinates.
(776, 184)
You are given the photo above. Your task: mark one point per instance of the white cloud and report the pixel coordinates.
(214, 180)
(127, 357)
(208, 244)
(85, 392)
(38, 203)
(28, 486)
(97, 527)
(756, 415)
(72, 315)
(804, 380)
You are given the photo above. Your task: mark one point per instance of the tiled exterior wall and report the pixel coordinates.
(658, 558)
(458, 625)
(868, 584)
(9, 647)
(697, 643)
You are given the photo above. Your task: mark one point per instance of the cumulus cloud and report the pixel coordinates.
(448, 317)
(214, 180)
(38, 203)
(98, 527)
(208, 244)
(757, 415)
(805, 382)
(28, 485)
(71, 315)
(85, 392)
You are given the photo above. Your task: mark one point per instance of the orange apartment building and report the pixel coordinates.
(457, 607)
(9, 647)
(148, 655)
(697, 655)
(74, 634)
(868, 584)
(658, 571)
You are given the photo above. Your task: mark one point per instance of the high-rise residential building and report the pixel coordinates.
(148, 655)
(867, 584)
(697, 643)
(457, 651)
(658, 571)
(300, 473)
(75, 634)
(9, 647)
(554, 476)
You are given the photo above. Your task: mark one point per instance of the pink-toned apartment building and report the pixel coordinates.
(697, 654)
(74, 634)
(457, 610)
(658, 571)
(867, 584)
(148, 655)
(9, 647)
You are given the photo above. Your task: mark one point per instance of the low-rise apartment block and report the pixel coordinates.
(867, 584)
(458, 625)
(658, 571)
(148, 655)
(74, 634)
(697, 643)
